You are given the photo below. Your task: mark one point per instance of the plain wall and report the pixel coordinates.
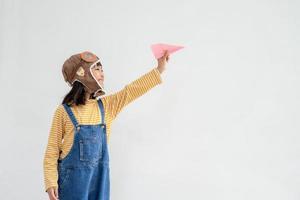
(224, 124)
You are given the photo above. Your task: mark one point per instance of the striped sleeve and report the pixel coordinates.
(117, 101)
(52, 151)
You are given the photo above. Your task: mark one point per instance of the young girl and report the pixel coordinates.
(76, 161)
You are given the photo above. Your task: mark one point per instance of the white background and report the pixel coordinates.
(223, 125)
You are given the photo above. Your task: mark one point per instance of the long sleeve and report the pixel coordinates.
(52, 151)
(117, 101)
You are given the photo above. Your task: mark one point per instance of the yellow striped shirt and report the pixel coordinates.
(60, 139)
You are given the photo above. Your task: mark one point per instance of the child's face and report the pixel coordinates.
(98, 73)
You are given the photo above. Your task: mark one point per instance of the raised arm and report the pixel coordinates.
(117, 101)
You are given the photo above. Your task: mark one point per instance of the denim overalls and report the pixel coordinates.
(84, 173)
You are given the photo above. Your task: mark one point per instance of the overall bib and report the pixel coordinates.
(84, 173)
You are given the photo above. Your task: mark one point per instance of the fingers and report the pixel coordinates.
(166, 55)
(56, 193)
(52, 195)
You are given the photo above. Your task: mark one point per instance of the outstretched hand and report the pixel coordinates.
(161, 62)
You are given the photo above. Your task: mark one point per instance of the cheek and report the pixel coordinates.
(98, 74)
(95, 72)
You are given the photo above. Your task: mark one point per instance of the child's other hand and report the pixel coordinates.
(161, 62)
(53, 193)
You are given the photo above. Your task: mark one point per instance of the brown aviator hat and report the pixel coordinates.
(79, 68)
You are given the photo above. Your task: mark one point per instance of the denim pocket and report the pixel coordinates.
(90, 149)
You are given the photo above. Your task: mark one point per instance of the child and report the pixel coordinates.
(76, 161)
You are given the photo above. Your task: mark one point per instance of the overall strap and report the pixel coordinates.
(71, 115)
(101, 110)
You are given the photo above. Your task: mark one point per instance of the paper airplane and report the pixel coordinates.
(159, 49)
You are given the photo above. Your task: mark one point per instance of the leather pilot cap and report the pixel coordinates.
(78, 67)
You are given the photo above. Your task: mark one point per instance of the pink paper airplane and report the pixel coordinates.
(158, 49)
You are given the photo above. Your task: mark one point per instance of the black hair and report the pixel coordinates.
(76, 95)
